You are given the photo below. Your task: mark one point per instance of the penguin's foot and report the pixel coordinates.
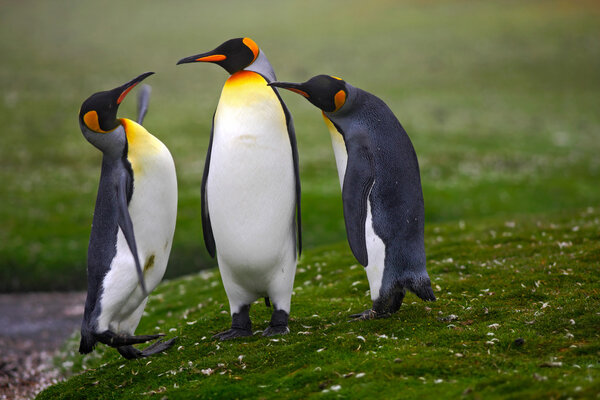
(131, 353)
(369, 314)
(157, 347)
(232, 334)
(112, 339)
(241, 326)
(276, 330)
(278, 324)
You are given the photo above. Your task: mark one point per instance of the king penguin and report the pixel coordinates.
(251, 188)
(133, 223)
(381, 190)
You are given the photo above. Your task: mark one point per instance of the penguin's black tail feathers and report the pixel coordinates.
(88, 341)
(421, 287)
(143, 102)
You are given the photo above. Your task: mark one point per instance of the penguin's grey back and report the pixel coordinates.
(396, 194)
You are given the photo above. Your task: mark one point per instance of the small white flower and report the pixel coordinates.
(360, 375)
(336, 388)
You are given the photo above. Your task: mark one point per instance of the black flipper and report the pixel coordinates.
(143, 101)
(358, 180)
(127, 227)
(295, 158)
(209, 240)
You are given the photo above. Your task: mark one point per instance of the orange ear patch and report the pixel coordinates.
(252, 46)
(213, 58)
(91, 121)
(339, 99)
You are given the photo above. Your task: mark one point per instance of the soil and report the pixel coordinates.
(32, 328)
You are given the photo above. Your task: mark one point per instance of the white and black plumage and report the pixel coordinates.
(251, 188)
(133, 224)
(381, 190)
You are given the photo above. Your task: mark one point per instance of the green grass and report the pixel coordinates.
(500, 100)
(496, 281)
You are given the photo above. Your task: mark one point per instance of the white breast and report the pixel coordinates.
(375, 246)
(251, 186)
(339, 150)
(153, 211)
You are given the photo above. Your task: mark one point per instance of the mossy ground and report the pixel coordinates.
(516, 317)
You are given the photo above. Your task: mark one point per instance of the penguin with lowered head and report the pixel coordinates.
(381, 190)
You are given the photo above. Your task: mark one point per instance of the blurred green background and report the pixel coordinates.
(501, 101)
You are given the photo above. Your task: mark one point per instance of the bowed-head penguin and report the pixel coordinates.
(381, 190)
(133, 223)
(251, 188)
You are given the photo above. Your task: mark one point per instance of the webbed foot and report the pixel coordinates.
(131, 353)
(368, 314)
(240, 325)
(278, 324)
(112, 339)
(233, 333)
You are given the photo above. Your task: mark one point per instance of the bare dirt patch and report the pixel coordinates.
(32, 327)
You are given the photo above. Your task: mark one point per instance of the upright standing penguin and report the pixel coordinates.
(381, 190)
(133, 225)
(251, 188)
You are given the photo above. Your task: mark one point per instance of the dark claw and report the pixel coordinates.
(276, 330)
(278, 324)
(232, 334)
(157, 347)
(131, 353)
(368, 314)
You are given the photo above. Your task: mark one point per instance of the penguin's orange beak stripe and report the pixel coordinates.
(122, 96)
(302, 92)
(213, 58)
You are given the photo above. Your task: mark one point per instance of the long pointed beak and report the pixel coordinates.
(294, 87)
(210, 56)
(126, 88)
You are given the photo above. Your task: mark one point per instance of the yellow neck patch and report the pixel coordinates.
(142, 146)
(339, 99)
(91, 121)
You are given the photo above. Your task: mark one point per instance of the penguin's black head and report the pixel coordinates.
(233, 55)
(99, 112)
(326, 92)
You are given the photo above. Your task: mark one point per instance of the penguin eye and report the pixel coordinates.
(91, 121)
(339, 99)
